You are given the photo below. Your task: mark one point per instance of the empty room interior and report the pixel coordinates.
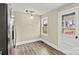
(39, 28)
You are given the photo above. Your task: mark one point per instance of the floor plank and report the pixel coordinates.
(35, 48)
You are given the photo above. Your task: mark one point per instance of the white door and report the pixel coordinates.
(68, 27)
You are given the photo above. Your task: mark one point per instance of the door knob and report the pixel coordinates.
(76, 37)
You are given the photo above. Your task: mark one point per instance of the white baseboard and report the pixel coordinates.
(50, 44)
(53, 45)
(28, 41)
(44, 40)
(34, 40)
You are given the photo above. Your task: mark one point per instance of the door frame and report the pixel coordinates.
(71, 10)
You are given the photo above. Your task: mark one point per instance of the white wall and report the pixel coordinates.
(26, 28)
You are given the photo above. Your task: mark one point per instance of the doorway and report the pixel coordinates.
(68, 26)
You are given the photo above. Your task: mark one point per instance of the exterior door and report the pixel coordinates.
(68, 27)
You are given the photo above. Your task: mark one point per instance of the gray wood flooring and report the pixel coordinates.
(35, 48)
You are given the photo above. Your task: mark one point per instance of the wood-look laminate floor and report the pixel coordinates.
(35, 48)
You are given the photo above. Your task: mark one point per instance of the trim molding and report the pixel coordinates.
(44, 40)
(49, 43)
(34, 40)
(28, 41)
(54, 46)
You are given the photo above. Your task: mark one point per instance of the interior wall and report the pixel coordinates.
(53, 21)
(26, 28)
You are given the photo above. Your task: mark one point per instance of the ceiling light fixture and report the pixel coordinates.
(31, 17)
(31, 13)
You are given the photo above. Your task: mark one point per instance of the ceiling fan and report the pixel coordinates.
(31, 13)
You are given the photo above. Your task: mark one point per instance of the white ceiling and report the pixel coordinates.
(39, 8)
